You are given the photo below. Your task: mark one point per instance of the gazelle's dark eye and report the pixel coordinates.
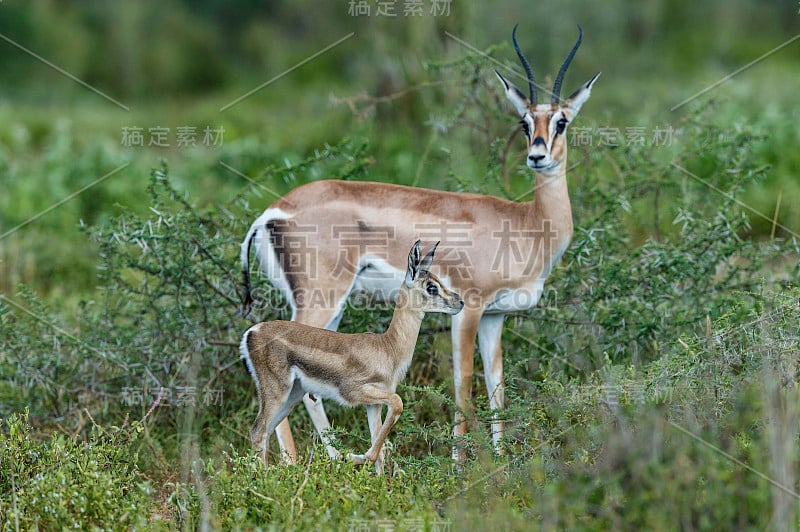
(432, 289)
(561, 125)
(525, 127)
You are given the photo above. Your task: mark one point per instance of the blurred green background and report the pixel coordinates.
(177, 63)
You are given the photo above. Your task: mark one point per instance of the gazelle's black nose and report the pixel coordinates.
(536, 158)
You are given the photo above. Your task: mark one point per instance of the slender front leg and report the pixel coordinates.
(490, 332)
(395, 408)
(372, 395)
(374, 417)
(321, 423)
(464, 329)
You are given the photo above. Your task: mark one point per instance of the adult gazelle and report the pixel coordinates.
(327, 239)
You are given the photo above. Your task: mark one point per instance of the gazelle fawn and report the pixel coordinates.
(288, 359)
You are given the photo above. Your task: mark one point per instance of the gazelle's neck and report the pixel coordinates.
(551, 203)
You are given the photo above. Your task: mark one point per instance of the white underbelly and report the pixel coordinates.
(522, 298)
(378, 278)
(382, 281)
(318, 388)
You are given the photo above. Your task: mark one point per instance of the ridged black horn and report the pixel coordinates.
(560, 78)
(526, 66)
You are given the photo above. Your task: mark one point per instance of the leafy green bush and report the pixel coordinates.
(67, 482)
(712, 421)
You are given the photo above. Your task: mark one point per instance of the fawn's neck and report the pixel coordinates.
(401, 336)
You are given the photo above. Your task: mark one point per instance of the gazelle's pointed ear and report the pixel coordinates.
(413, 264)
(579, 97)
(425, 263)
(514, 95)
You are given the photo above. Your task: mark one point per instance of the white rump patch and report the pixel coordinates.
(245, 356)
(265, 251)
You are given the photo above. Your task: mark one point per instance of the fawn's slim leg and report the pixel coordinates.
(275, 406)
(374, 417)
(372, 395)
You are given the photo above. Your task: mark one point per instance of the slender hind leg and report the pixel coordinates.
(320, 420)
(275, 406)
(490, 332)
(259, 437)
(286, 442)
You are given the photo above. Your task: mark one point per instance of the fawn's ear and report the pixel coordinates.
(413, 264)
(425, 263)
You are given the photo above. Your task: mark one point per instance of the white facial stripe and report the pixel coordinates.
(528, 119)
(558, 115)
(553, 122)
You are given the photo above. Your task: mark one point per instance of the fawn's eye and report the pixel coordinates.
(525, 127)
(561, 125)
(432, 289)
